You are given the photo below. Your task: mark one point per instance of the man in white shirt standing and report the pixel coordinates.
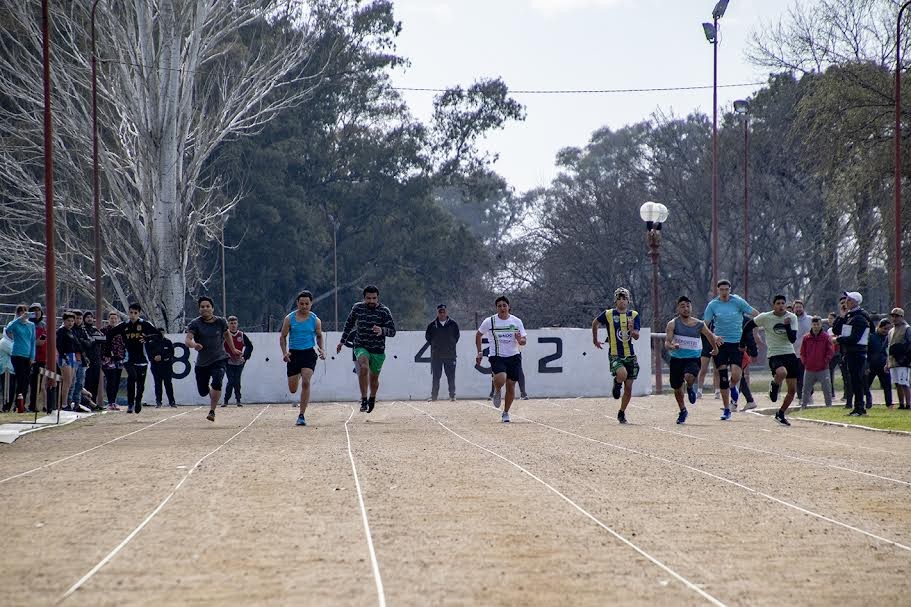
(505, 333)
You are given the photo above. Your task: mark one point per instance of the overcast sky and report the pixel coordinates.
(576, 44)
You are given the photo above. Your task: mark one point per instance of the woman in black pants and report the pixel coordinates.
(112, 355)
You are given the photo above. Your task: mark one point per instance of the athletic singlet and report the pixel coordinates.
(688, 338)
(302, 335)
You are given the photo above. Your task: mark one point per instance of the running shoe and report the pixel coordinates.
(363, 405)
(779, 417)
(158, 405)
(173, 405)
(524, 397)
(83, 408)
(504, 417)
(773, 391)
(300, 420)
(616, 390)
(496, 400)
(452, 398)
(734, 395)
(750, 405)
(137, 408)
(681, 417)
(691, 393)
(238, 404)
(223, 405)
(621, 416)
(726, 415)
(211, 415)
(113, 407)
(129, 409)
(371, 403)
(698, 394)
(717, 394)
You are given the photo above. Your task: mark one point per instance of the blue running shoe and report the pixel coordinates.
(681, 417)
(734, 394)
(691, 393)
(300, 420)
(726, 415)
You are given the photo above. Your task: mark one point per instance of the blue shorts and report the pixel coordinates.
(66, 360)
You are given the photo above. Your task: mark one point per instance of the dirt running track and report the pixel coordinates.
(562, 506)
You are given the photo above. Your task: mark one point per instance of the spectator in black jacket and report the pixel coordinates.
(878, 354)
(93, 354)
(74, 398)
(442, 335)
(161, 352)
(852, 338)
(68, 355)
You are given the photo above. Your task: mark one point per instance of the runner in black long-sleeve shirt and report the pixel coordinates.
(134, 332)
(366, 330)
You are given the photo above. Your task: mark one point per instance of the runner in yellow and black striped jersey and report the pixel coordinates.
(623, 326)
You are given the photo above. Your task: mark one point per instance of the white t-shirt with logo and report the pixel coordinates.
(501, 333)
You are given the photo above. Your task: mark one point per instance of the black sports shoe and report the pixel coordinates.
(779, 417)
(371, 403)
(616, 391)
(773, 391)
(211, 415)
(137, 408)
(621, 417)
(363, 405)
(224, 405)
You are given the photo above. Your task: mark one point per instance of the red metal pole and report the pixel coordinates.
(898, 156)
(746, 207)
(96, 188)
(715, 162)
(50, 273)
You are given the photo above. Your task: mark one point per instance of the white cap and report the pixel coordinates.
(855, 296)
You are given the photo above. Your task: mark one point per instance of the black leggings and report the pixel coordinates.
(112, 384)
(136, 382)
(19, 381)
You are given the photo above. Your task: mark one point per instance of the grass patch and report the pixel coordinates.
(878, 417)
(8, 418)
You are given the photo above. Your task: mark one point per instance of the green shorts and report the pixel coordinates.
(375, 361)
(630, 362)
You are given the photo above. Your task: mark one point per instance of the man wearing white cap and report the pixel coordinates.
(853, 338)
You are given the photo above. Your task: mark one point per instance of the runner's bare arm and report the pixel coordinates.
(595, 341)
(669, 342)
(319, 338)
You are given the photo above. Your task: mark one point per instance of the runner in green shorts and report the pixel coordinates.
(623, 326)
(366, 330)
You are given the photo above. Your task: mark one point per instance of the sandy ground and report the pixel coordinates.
(743, 512)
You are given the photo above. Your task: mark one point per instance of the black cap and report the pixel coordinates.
(683, 298)
(441, 307)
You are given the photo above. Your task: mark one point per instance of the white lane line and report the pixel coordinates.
(785, 455)
(113, 440)
(724, 480)
(584, 512)
(381, 595)
(151, 515)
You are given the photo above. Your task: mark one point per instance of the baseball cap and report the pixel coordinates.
(855, 296)
(884, 322)
(683, 298)
(35, 305)
(897, 312)
(441, 307)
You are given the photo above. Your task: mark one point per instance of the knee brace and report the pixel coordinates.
(723, 381)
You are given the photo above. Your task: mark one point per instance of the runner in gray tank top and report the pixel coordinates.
(683, 339)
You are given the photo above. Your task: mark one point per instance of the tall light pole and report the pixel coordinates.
(654, 214)
(898, 155)
(50, 260)
(335, 224)
(711, 34)
(224, 284)
(95, 178)
(742, 107)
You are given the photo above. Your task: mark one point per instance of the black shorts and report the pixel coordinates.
(301, 359)
(729, 354)
(681, 367)
(510, 365)
(788, 361)
(214, 373)
(706, 348)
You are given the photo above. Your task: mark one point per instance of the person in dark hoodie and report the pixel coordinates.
(878, 354)
(161, 352)
(442, 335)
(852, 338)
(93, 354)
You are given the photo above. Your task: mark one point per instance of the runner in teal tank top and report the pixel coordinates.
(683, 339)
(306, 332)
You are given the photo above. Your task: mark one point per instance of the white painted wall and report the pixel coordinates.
(583, 369)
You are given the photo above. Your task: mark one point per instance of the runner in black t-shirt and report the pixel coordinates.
(209, 336)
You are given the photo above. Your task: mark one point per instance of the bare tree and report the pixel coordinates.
(177, 78)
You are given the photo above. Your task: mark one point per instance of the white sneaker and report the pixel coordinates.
(717, 394)
(496, 402)
(505, 417)
(698, 394)
(748, 406)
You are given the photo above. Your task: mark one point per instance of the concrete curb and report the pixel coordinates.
(772, 410)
